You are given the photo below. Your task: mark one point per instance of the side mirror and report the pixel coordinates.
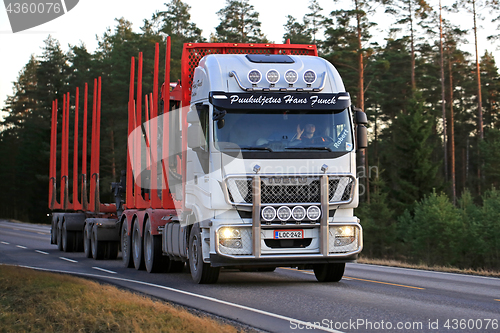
(362, 137)
(360, 116)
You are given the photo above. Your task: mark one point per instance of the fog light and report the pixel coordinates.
(309, 77)
(298, 213)
(268, 213)
(313, 213)
(254, 76)
(284, 213)
(291, 76)
(272, 76)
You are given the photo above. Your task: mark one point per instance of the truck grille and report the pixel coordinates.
(290, 190)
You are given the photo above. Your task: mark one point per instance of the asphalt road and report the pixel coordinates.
(368, 299)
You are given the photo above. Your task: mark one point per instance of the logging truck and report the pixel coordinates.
(248, 162)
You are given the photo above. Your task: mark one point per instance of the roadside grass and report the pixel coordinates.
(34, 301)
(396, 263)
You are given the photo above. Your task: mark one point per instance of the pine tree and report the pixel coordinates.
(407, 12)
(314, 20)
(239, 23)
(410, 163)
(297, 33)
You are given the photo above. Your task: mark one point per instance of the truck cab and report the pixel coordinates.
(271, 166)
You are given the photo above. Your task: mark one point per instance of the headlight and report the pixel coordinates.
(313, 213)
(344, 235)
(298, 213)
(284, 213)
(230, 237)
(229, 233)
(254, 76)
(268, 213)
(272, 76)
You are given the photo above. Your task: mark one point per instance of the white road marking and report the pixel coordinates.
(38, 251)
(243, 307)
(5, 243)
(70, 260)
(21, 247)
(104, 270)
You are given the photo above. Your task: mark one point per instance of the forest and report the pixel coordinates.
(430, 183)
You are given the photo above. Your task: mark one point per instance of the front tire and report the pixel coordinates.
(329, 272)
(201, 272)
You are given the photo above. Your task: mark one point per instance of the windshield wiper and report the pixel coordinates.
(310, 148)
(256, 148)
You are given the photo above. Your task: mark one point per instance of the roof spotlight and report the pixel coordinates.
(309, 76)
(272, 76)
(254, 76)
(291, 76)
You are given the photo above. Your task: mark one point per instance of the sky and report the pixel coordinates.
(91, 17)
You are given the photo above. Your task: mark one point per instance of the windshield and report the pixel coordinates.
(292, 130)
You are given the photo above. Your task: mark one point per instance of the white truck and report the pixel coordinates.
(264, 178)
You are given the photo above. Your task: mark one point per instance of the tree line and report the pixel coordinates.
(433, 107)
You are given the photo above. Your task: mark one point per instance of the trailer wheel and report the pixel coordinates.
(59, 238)
(153, 257)
(126, 241)
(98, 248)
(137, 247)
(201, 272)
(53, 231)
(329, 272)
(68, 239)
(87, 247)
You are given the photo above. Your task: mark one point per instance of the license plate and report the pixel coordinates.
(288, 234)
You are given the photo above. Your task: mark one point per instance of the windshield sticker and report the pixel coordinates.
(348, 146)
(341, 138)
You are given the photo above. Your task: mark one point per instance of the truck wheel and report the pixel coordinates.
(137, 247)
(53, 232)
(59, 238)
(87, 247)
(126, 241)
(68, 239)
(112, 250)
(98, 248)
(329, 272)
(153, 257)
(202, 273)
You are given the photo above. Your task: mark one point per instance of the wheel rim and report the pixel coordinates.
(124, 240)
(149, 251)
(137, 244)
(93, 244)
(195, 252)
(85, 241)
